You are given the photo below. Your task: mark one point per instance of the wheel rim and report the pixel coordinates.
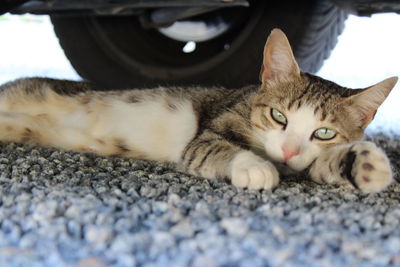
(196, 31)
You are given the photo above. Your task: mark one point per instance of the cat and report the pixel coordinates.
(292, 121)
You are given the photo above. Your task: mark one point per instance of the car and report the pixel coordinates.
(145, 43)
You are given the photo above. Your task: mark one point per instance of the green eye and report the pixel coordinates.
(324, 134)
(278, 116)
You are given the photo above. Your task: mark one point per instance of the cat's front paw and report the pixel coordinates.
(370, 170)
(249, 170)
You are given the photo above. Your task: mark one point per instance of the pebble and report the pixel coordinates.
(235, 226)
(92, 262)
(98, 235)
(183, 229)
(202, 261)
(73, 211)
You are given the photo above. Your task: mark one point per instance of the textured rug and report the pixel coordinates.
(62, 208)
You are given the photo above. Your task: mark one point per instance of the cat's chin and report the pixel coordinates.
(284, 168)
(287, 168)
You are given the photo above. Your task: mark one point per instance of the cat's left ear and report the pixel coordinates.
(279, 62)
(369, 99)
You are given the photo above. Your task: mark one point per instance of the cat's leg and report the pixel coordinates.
(211, 156)
(361, 164)
(43, 131)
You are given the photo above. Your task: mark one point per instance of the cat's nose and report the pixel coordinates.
(289, 152)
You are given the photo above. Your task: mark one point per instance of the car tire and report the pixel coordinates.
(118, 52)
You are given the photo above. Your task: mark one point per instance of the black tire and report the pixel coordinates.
(117, 52)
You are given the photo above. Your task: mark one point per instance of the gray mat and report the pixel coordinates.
(66, 209)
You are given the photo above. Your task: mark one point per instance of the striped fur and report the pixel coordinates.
(211, 132)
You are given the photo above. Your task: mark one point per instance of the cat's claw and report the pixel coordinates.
(249, 170)
(371, 168)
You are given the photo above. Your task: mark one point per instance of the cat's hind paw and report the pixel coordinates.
(252, 172)
(371, 171)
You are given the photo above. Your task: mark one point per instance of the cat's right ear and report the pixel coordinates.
(279, 62)
(369, 99)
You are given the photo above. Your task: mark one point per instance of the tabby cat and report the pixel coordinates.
(292, 121)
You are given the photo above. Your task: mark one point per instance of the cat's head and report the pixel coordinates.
(295, 115)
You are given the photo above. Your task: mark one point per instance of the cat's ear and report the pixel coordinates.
(279, 62)
(369, 99)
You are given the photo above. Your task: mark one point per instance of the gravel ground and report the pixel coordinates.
(62, 208)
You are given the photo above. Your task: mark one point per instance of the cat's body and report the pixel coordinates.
(215, 133)
(155, 124)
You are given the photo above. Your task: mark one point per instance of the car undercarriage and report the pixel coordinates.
(142, 43)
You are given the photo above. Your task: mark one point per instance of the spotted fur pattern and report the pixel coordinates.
(215, 133)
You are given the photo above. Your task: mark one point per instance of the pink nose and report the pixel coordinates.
(289, 153)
